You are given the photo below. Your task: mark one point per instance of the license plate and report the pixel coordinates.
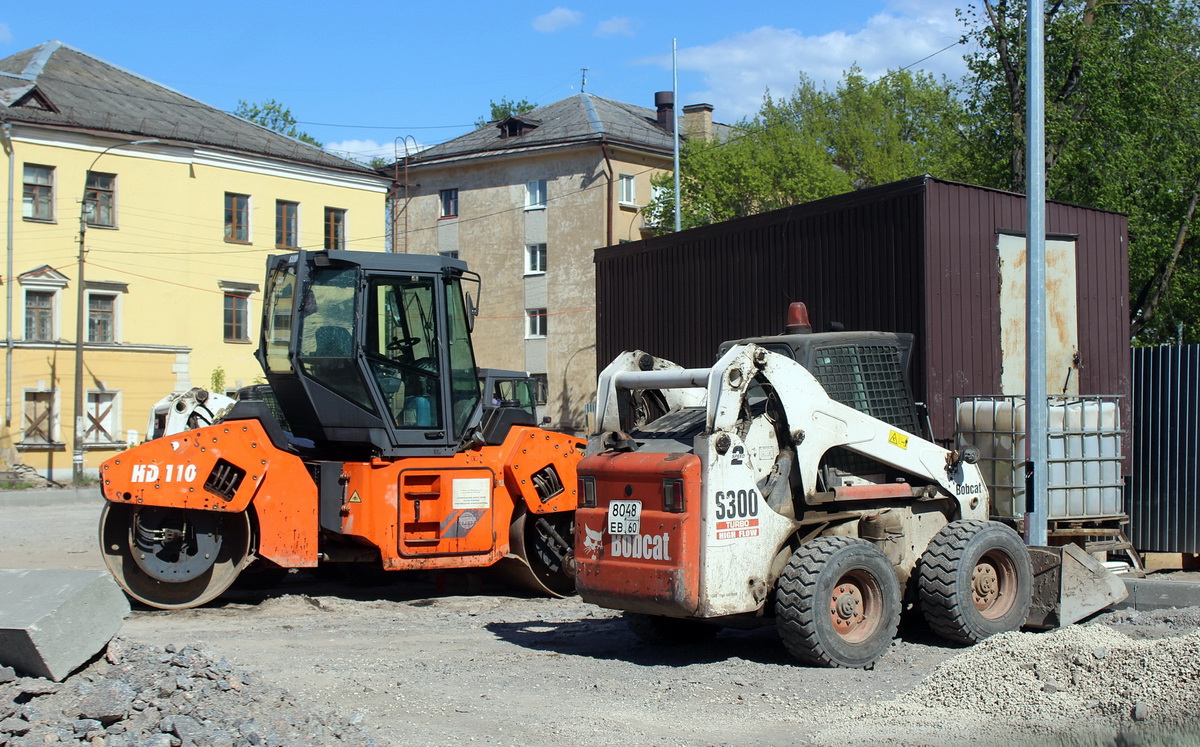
(624, 517)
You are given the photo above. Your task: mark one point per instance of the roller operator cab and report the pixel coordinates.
(371, 453)
(788, 484)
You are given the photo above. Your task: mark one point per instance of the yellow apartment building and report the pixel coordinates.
(176, 205)
(525, 202)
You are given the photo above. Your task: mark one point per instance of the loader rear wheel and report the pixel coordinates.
(669, 631)
(975, 580)
(173, 558)
(837, 603)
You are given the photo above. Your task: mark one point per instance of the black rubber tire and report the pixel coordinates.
(837, 603)
(974, 580)
(669, 631)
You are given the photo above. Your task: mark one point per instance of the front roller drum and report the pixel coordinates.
(541, 553)
(174, 558)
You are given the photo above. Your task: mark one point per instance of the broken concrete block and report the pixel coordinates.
(52, 621)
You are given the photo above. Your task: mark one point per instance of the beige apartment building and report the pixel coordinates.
(525, 202)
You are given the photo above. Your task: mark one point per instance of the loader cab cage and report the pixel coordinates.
(371, 353)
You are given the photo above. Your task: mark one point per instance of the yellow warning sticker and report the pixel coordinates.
(898, 439)
(354, 497)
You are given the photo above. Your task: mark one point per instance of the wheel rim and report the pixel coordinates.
(992, 581)
(855, 606)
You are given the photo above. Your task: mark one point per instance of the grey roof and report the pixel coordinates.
(578, 119)
(57, 85)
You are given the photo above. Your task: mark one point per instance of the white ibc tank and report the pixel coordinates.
(1083, 454)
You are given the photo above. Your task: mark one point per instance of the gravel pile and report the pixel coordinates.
(139, 696)
(1127, 678)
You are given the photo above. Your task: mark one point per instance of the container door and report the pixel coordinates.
(1062, 318)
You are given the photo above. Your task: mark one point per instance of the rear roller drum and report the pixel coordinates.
(173, 558)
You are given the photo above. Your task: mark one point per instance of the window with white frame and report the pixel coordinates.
(535, 259)
(102, 426)
(37, 201)
(448, 203)
(449, 254)
(39, 315)
(100, 200)
(535, 323)
(102, 317)
(535, 195)
(236, 319)
(40, 291)
(626, 192)
(39, 419)
(237, 218)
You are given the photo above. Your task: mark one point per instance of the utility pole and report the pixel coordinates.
(81, 313)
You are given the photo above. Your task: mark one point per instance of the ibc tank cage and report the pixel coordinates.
(1084, 482)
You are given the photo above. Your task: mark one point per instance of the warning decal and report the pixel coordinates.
(355, 497)
(473, 492)
(898, 439)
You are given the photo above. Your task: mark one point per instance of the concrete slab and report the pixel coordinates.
(52, 621)
(1155, 594)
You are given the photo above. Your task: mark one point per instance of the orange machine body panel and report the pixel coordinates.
(420, 512)
(656, 569)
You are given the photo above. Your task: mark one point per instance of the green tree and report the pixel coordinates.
(505, 108)
(274, 116)
(1122, 106)
(817, 143)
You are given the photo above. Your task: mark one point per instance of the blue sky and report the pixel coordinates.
(359, 75)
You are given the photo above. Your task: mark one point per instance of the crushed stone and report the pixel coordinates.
(177, 696)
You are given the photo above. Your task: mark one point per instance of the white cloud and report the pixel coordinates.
(557, 20)
(739, 69)
(615, 27)
(365, 150)
(5, 34)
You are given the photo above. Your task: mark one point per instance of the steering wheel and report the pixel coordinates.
(398, 343)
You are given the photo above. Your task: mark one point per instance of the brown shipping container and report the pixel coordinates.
(920, 255)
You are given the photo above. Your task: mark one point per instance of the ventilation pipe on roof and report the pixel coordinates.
(664, 103)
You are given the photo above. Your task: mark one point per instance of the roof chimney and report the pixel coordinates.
(664, 102)
(697, 121)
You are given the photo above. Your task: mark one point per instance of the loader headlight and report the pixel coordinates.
(587, 491)
(673, 496)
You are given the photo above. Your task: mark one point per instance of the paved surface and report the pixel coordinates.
(1159, 590)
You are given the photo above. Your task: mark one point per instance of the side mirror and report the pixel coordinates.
(472, 312)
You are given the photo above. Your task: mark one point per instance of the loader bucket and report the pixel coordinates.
(1068, 585)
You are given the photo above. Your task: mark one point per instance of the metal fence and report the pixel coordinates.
(1164, 489)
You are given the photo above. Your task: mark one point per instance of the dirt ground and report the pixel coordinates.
(455, 658)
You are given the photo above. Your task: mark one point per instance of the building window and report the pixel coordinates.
(99, 200)
(101, 426)
(627, 194)
(237, 317)
(237, 217)
(335, 228)
(286, 216)
(535, 259)
(449, 203)
(38, 200)
(535, 323)
(102, 317)
(39, 315)
(535, 195)
(451, 254)
(40, 426)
